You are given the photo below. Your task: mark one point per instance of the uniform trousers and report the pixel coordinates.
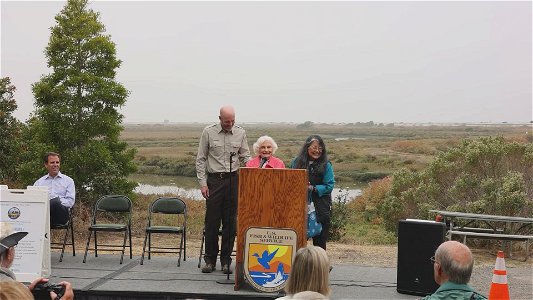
(221, 207)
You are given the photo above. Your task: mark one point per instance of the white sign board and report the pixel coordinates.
(28, 210)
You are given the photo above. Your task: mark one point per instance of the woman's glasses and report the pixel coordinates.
(315, 148)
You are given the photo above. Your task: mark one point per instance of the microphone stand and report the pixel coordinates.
(229, 230)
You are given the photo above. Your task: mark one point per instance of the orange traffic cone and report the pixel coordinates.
(499, 288)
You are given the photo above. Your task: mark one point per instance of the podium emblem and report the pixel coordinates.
(268, 257)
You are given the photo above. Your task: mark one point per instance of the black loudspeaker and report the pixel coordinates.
(417, 242)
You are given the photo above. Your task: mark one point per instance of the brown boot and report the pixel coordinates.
(226, 269)
(208, 268)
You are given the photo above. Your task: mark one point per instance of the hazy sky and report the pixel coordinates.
(299, 61)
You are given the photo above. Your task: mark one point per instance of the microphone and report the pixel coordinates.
(263, 162)
(232, 154)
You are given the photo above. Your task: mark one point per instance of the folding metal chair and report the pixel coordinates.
(166, 216)
(67, 228)
(119, 208)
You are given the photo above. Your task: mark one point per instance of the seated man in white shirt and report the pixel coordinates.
(61, 189)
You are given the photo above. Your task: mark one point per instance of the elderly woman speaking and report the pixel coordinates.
(264, 148)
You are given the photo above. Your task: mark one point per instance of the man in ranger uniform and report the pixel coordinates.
(219, 144)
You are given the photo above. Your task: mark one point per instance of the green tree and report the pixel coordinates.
(76, 105)
(488, 175)
(10, 133)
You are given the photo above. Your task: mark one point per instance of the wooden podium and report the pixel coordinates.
(270, 198)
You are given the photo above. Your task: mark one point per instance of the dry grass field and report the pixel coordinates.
(359, 153)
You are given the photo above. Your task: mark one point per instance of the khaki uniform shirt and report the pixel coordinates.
(214, 151)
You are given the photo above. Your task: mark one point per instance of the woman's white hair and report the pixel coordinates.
(261, 140)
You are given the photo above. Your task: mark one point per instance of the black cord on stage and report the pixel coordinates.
(380, 285)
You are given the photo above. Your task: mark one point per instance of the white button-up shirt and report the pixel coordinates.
(60, 186)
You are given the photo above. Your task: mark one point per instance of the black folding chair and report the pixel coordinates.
(117, 207)
(67, 228)
(166, 216)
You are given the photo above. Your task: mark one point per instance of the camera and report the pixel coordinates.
(42, 290)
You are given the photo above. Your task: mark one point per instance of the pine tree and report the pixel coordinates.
(76, 105)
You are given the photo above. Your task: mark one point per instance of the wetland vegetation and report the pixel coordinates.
(364, 155)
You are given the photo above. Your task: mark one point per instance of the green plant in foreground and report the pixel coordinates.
(340, 215)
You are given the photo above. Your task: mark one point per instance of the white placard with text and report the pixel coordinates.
(28, 210)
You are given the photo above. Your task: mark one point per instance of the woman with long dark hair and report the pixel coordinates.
(313, 157)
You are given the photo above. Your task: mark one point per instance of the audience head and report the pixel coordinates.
(309, 295)
(14, 290)
(453, 262)
(265, 146)
(8, 240)
(309, 272)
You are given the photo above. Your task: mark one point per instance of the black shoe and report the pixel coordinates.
(226, 269)
(208, 268)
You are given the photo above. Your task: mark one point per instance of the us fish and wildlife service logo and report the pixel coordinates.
(268, 257)
(13, 213)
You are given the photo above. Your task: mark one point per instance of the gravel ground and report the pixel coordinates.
(378, 256)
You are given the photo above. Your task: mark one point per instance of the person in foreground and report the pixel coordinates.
(14, 290)
(452, 268)
(313, 157)
(264, 148)
(8, 240)
(218, 180)
(309, 277)
(61, 190)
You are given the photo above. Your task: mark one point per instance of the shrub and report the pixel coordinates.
(371, 200)
(489, 175)
(340, 214)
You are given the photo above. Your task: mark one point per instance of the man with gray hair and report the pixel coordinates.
(452, 267)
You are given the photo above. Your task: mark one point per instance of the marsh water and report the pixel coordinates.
(187, 187)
